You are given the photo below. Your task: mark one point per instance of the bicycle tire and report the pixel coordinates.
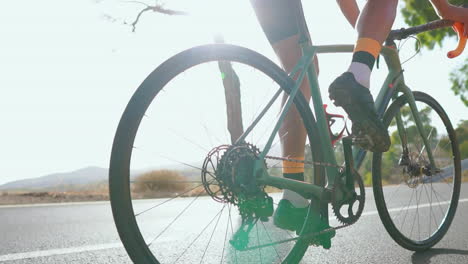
(119, 172)
(390, 222)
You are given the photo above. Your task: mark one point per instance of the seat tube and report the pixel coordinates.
(322, 124)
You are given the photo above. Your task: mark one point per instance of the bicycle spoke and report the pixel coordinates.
(447, 182)
(232, 230)
(189, 141)
(208, 134)
(414, 218)
(394, 193)
(407, 208)
(438, 202)
(213, 167)
(226, 233)
(269, 237)
(175, 219)
(211, 237)
(198, 236)
(417, 212)
(180, 162)
(258, 243)
(146, 210)
(260, 116)
(437, 146)
(424, 146)
(431, 215)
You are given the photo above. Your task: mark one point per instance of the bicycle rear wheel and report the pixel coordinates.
(415, 205)
(173, 121)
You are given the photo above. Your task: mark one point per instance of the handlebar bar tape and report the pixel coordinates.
(458, 27)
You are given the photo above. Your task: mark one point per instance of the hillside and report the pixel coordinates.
(79, 177)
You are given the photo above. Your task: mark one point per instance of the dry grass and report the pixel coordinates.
(18, 197)
(465, 176)
(98, 191)
(161, 183)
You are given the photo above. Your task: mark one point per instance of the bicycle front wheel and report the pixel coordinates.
(160, 187)
(417, 203)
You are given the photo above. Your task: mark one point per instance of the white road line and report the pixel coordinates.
(52, 204)
(73, 250)
(60, 251)
(414, 207)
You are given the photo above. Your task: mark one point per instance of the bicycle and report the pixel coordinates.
(422, 161)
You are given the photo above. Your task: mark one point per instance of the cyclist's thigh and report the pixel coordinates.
(280, 19)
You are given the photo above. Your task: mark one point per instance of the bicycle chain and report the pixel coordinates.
(314, 163)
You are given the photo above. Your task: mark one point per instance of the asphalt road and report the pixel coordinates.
(85, 233)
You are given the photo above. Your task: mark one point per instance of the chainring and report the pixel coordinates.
(351, 215)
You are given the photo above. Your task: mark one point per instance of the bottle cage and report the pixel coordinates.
(331, 119)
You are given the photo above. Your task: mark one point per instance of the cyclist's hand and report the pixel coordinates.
(464, 21)
(458, 14)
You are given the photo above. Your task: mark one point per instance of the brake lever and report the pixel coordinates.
(458, 27)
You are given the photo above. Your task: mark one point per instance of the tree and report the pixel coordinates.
(418, 12)
(459, 79)
(462, 137)
(157, 8)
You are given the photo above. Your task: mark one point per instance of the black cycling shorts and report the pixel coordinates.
(280, 19)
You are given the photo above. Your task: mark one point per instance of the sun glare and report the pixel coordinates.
(221, 16)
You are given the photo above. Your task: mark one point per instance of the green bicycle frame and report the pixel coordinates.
(393, 84)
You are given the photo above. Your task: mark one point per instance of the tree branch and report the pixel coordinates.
(159, 8)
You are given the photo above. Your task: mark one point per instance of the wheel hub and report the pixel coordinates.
(414, 169)
(233, 180)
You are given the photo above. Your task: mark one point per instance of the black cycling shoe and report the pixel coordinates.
(357, 101)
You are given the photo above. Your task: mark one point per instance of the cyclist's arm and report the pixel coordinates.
(350, 10)
(451, 12)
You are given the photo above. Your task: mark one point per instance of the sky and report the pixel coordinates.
(68, 69)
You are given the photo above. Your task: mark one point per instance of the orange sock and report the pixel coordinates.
(292, 166)
(366, 51)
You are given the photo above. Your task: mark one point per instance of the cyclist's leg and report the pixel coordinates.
(351, 90)
(278, 20)
(292, 133)
(373, 26)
